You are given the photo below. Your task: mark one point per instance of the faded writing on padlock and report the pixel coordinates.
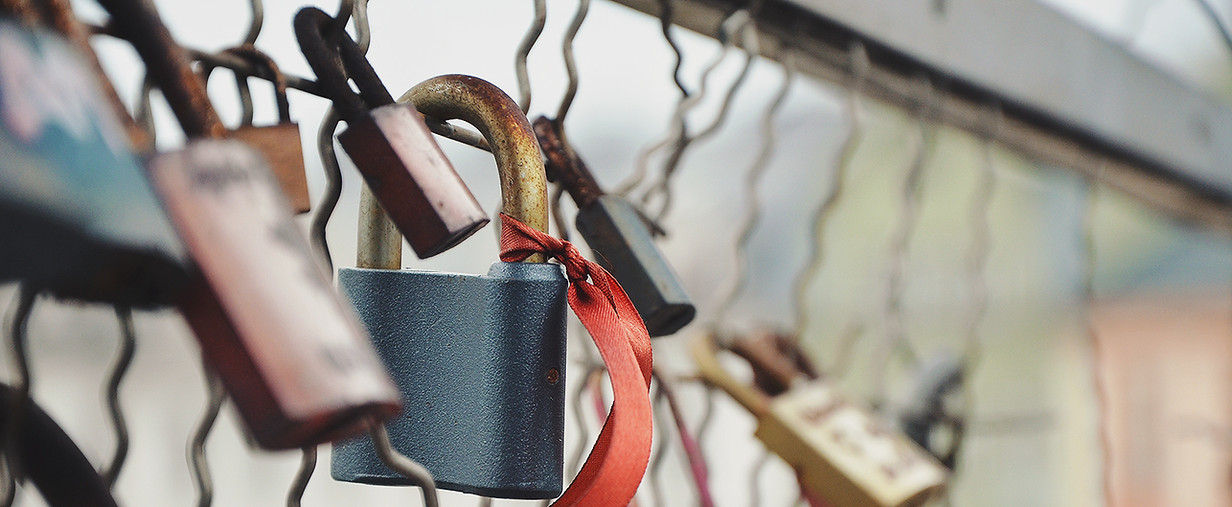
(78, 217)
(842, 451)
(390, 144)
(278, 143)
(620, 239)
(480, 360)
(290, 353)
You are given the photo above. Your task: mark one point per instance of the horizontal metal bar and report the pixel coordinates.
(1017, 72)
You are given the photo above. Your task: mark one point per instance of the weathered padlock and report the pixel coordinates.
(78, 217)
(842, 451)
(278, 143)
(619, 238)
(290, 353)
(480, 360)
(390, 144)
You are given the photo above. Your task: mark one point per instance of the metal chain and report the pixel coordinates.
(524, 48)
(19, 316)
(124, 358)
(894, 337)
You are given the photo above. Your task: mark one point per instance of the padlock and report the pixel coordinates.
(390, 144)
(842, 451)
(619, 237)
(77, 214)
(929, 414)
(480, 360)
(290, 353)
(279, 143)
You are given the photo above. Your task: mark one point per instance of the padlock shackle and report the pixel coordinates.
(500, 120)
(565, 167)
(705, 352)
(262, 59)
(167, 62)
(335, 58)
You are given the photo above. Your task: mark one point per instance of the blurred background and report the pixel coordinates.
(1148, 307)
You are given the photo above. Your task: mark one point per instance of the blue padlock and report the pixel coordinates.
(480, 360)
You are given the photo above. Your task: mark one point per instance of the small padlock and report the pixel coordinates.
(842, 451)
(77, 214)
(290, 353)
(619, 237)
(390, 144)
(280, 143)
(480, 360)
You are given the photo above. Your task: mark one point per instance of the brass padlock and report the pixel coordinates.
(842, 451)
(291, 354)
(390, 144)
(620, 239)
(279, 143)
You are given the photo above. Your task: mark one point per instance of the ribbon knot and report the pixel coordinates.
(618, 460)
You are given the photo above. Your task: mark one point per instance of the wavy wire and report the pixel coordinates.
(201, 478)
(894, 339)
(528, 42)
(124, 358)
(1099, 382)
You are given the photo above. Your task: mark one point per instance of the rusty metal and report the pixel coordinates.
(500, 120)
(776, 358)
(168, 64)
(570, 172)
(380, 246)
(280, 143)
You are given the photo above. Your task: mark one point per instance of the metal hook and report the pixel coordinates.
(524, 48)
(410, 469)
(124, 358)
(257, 8)
(200, 468)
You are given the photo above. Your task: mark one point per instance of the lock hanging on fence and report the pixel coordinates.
(620, 239)
(390, 144)
(289, 352)
(279, 143)
(842, 451)
(480, 360)
(77, 214)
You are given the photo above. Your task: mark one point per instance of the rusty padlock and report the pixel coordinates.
(390, 144)
(279, 143)
(843, 452)
(480, 360)
(291, 354)
(619, 237)
(77, 214)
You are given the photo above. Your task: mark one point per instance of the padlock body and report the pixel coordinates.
(844, 453)
(291, 354)
(623, 246)
(77, 214)
(480, 361)
(412, 179)
(280, 145)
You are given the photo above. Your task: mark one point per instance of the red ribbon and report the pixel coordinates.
(618, 460)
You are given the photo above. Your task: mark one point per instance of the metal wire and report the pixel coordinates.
(570, 70)
(759, 466)
(738, 24)
(200, 468)
(408, 468)
(144, 114)
(333, 185)
(524, 48)
(977, 261)
(643, 159)
(307, 465)
(660, 448)
(854, 111)
(894, 337)
(1099, 383)
(20, 309)
(1209, 11)
(124, 358)
(752, 180)
(257, 8)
